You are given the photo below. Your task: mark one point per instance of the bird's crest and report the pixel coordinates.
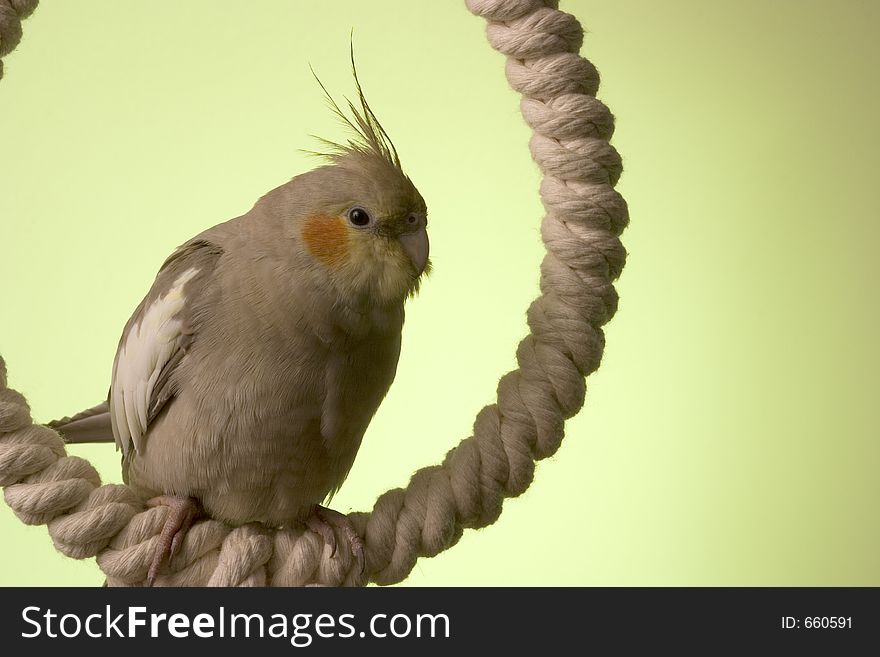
(369, 138)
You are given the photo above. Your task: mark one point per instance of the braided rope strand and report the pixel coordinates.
(584, 219)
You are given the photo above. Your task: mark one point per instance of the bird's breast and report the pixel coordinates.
(265, 429)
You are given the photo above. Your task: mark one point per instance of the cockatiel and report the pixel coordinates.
(246, 378)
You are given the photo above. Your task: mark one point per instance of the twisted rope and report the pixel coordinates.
(584, 217)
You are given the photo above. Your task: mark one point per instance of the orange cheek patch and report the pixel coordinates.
(326, 238)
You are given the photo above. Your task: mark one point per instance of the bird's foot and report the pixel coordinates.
(324, 520)
(184, 511)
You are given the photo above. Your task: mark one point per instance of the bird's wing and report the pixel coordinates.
(155, 340)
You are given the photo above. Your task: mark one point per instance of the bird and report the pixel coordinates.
(245, 380)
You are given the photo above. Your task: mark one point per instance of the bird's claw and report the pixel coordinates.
(184, 511)
(323, 520)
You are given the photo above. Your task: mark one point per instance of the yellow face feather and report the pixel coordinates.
(359, 260)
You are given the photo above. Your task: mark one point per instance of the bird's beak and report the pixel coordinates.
(416, 246)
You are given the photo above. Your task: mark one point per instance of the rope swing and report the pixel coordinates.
(584, 218)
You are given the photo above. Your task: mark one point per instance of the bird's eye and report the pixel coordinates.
(359, 217)
(412, 220)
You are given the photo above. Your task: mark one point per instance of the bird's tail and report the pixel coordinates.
(91, 426)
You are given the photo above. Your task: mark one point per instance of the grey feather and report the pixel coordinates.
(90, 426)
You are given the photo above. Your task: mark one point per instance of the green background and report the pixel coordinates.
(730, 437)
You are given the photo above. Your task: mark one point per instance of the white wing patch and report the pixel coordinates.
(148, 346)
